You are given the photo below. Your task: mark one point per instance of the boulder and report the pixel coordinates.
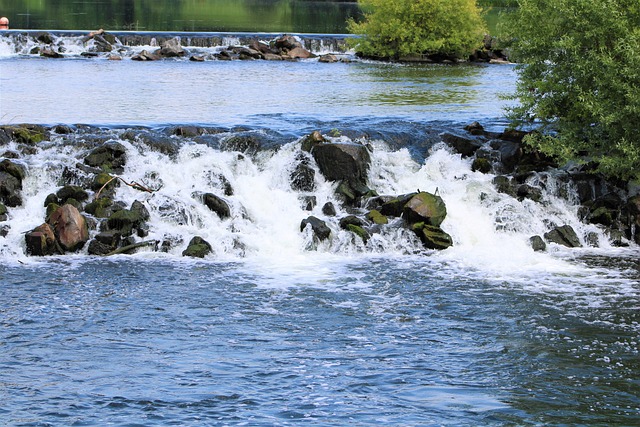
(197, 248)
(425, 207)
(311, 140)
(50, 52)
(465, 146)
(320, 229)
(124, 221)
(299, 53)
(351, 220)
(104, 243)
(475, 128)
(14, 169)
(358, 231)
(510, 153)
(108, 157)
(564, 235)
(432, 237)
(10, 188)
(41, 241)
(377, 218)
(481, 164)
(303, 176)
(170, 49)
(217, 205)
(287, 42)
(3, 212)
(329, 209)
(247, 144)
(71, 192)
(342, 162)
(328, 58)
(395, 206)
(70, 228)
(537, 244)
(101, 208)
(145, 56)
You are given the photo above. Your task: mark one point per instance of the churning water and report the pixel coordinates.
(272, 329)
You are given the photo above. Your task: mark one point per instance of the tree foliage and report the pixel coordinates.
(395, 28)
(579, 79)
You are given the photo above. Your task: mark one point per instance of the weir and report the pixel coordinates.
(21, 41)
(270, 186)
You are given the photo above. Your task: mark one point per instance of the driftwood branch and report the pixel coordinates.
(134, 184)
(130, 248)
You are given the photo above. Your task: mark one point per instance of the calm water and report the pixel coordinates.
(188, 15)
(270, 332)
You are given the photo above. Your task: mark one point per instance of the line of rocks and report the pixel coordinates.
(101, 43)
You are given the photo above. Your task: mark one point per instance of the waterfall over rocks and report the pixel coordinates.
(231, 195)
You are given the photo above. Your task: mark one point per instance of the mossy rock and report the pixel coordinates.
(425, 207)
(482, 165)
(432, 237)
(197, 248)
(13, 169)
(100, 208)
(51, 208)
(3, 209)
(395, 206)
(124, 221)
(101, 179)
(26, 134)
(72, 192)
(359, 231)
(377, 218)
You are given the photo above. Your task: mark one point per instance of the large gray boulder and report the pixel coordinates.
(342, 162)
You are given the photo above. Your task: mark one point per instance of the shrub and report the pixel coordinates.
(579, 79)
(396, 28)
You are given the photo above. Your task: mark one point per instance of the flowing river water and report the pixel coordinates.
(274, 330)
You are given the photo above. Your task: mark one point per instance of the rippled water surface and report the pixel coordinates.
(263, 94)
(345, 342)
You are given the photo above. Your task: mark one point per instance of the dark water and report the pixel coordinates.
(297, 16)
(359, 342)
(188, 15)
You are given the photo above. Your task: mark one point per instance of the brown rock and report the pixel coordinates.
(70, 227)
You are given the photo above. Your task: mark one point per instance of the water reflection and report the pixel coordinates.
(193, 15)
(451, 86)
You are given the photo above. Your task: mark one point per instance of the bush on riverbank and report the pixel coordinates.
(579, 80)
(396, 28)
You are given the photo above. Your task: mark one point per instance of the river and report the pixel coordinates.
(272, 329)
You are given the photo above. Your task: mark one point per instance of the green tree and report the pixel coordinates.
(579, 79)
(395, 28)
